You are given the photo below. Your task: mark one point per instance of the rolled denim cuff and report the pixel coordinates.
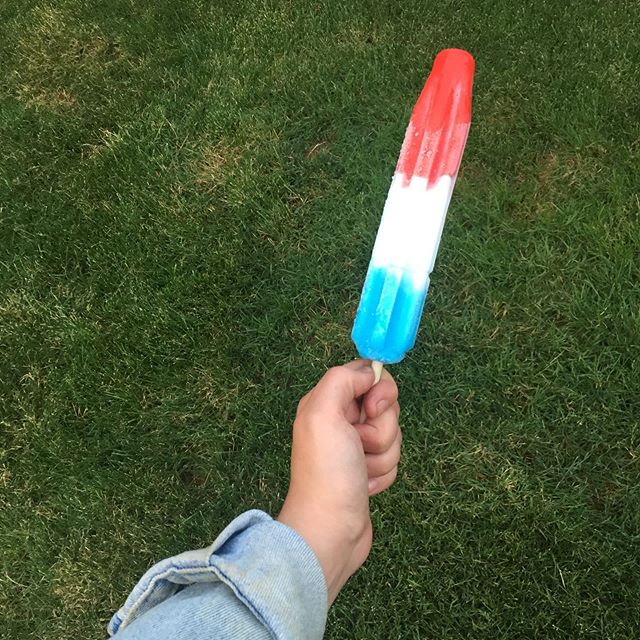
(267, 565)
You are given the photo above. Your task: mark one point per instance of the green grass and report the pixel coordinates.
(189, 193)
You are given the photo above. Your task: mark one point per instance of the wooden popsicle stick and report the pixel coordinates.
(377, 370)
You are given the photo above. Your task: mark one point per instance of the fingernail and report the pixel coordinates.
(372, 485)
(382, 406)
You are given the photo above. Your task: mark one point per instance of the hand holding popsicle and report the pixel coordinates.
(405, 250)
(346, 447)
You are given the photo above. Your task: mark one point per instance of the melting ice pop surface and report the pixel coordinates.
(405, 249)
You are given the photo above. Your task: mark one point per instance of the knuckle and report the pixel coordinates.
(307, 425)
(316, 420)
(396, 454)
(388, 478)
(335, 375)
(304, 401)
(390, 439)
(377, 447)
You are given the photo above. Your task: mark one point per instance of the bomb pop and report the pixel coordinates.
(405, 249)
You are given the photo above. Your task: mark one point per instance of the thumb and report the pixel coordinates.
(340, 386)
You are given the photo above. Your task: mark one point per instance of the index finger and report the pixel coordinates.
(381, 396)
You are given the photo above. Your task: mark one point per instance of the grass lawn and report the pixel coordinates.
(189, 193)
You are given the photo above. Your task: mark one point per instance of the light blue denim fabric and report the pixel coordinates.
(258, 580)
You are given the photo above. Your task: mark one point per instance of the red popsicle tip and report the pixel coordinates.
(437, 131)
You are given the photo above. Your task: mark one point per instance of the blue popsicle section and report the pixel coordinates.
(387, 321)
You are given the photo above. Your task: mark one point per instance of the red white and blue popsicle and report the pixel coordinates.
(405, 250)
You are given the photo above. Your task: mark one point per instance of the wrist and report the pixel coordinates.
(339, 545)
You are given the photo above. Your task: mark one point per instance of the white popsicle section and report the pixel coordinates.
(411, 227)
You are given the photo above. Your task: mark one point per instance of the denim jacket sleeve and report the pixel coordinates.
(258, 580)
